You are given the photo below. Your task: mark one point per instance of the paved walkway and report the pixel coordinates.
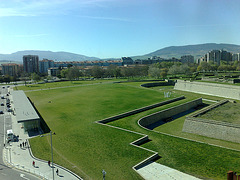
(21, 158)
(156, 171)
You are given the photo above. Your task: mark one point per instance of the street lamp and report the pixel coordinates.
(51, 150)
(104, 174)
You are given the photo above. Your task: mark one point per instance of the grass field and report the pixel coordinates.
(229, 112)
(60, 84)
(83, 144)
(86, 147)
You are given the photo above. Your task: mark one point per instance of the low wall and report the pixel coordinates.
(110, 119)
(211, 128)
(164, 114)
(222, 90)
(166, 83)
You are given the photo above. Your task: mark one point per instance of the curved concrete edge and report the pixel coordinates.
(187, 139)
(61, 167)
(169, 112)
(139, 110)
(135, 143)
(17, 167)
(145, 139)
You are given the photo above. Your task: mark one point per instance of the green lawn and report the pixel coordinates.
(229, 112)
(82, 145)
(63, 84)
(86, 147)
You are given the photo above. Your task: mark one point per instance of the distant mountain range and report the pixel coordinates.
(168, 52)
(56, 56)
(195, 50)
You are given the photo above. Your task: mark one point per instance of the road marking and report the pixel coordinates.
(23, 176)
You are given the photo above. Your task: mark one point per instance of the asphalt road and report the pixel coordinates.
(7, 173)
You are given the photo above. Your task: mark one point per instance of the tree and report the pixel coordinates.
(97, 72)
(35, 77)
(184, 69)
(73, 73)
(163, 73)
(6, 79)
(140, 71)
(113, 71)
(64, 73)
(127, 72)
(174, 70)
(204, 66)
(154, 72)
(25, 77)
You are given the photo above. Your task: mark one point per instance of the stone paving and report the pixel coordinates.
(156, 171)
(21, 158)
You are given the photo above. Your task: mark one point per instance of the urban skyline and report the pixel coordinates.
(113, 28)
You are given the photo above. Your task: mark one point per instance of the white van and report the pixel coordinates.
(10, 135)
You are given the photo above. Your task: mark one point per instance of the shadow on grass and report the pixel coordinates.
(43, 125)
(172, 118)
(32, 86)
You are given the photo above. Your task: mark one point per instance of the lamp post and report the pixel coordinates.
(104, 174)
(51, 151)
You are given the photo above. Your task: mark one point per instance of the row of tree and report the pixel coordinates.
(158, 70)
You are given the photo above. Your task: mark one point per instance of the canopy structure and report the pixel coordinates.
(25, 113)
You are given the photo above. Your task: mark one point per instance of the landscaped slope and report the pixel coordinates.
(80, 144)
(86, 147)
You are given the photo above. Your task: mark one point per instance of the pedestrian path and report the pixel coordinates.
(156, 171)
(20, 157)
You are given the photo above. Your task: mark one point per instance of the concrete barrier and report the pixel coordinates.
(166, 83)
(164, 114)
(211, 128)
(214, 89)
(129, 113)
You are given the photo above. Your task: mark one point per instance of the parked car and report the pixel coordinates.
(2, 104)
(1, 112)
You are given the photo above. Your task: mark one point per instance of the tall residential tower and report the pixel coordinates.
(31, 63)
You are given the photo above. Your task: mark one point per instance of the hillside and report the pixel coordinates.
(167, 52)
(56, 56)
(195, 50)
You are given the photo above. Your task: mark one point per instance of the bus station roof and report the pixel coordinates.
(23, 108)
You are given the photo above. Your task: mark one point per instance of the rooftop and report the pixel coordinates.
(23, 107)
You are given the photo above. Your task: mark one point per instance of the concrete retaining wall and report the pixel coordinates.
(110, 119)
(164, 114)
(211, 128)
(166, 83)
(222, 90)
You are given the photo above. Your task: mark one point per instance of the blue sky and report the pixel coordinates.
(115, 28)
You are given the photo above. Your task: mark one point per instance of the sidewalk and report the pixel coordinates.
(156, 171)
(21, 158)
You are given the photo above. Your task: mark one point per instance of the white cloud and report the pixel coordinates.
(39, 7)
(4, 12)
(30, 8)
